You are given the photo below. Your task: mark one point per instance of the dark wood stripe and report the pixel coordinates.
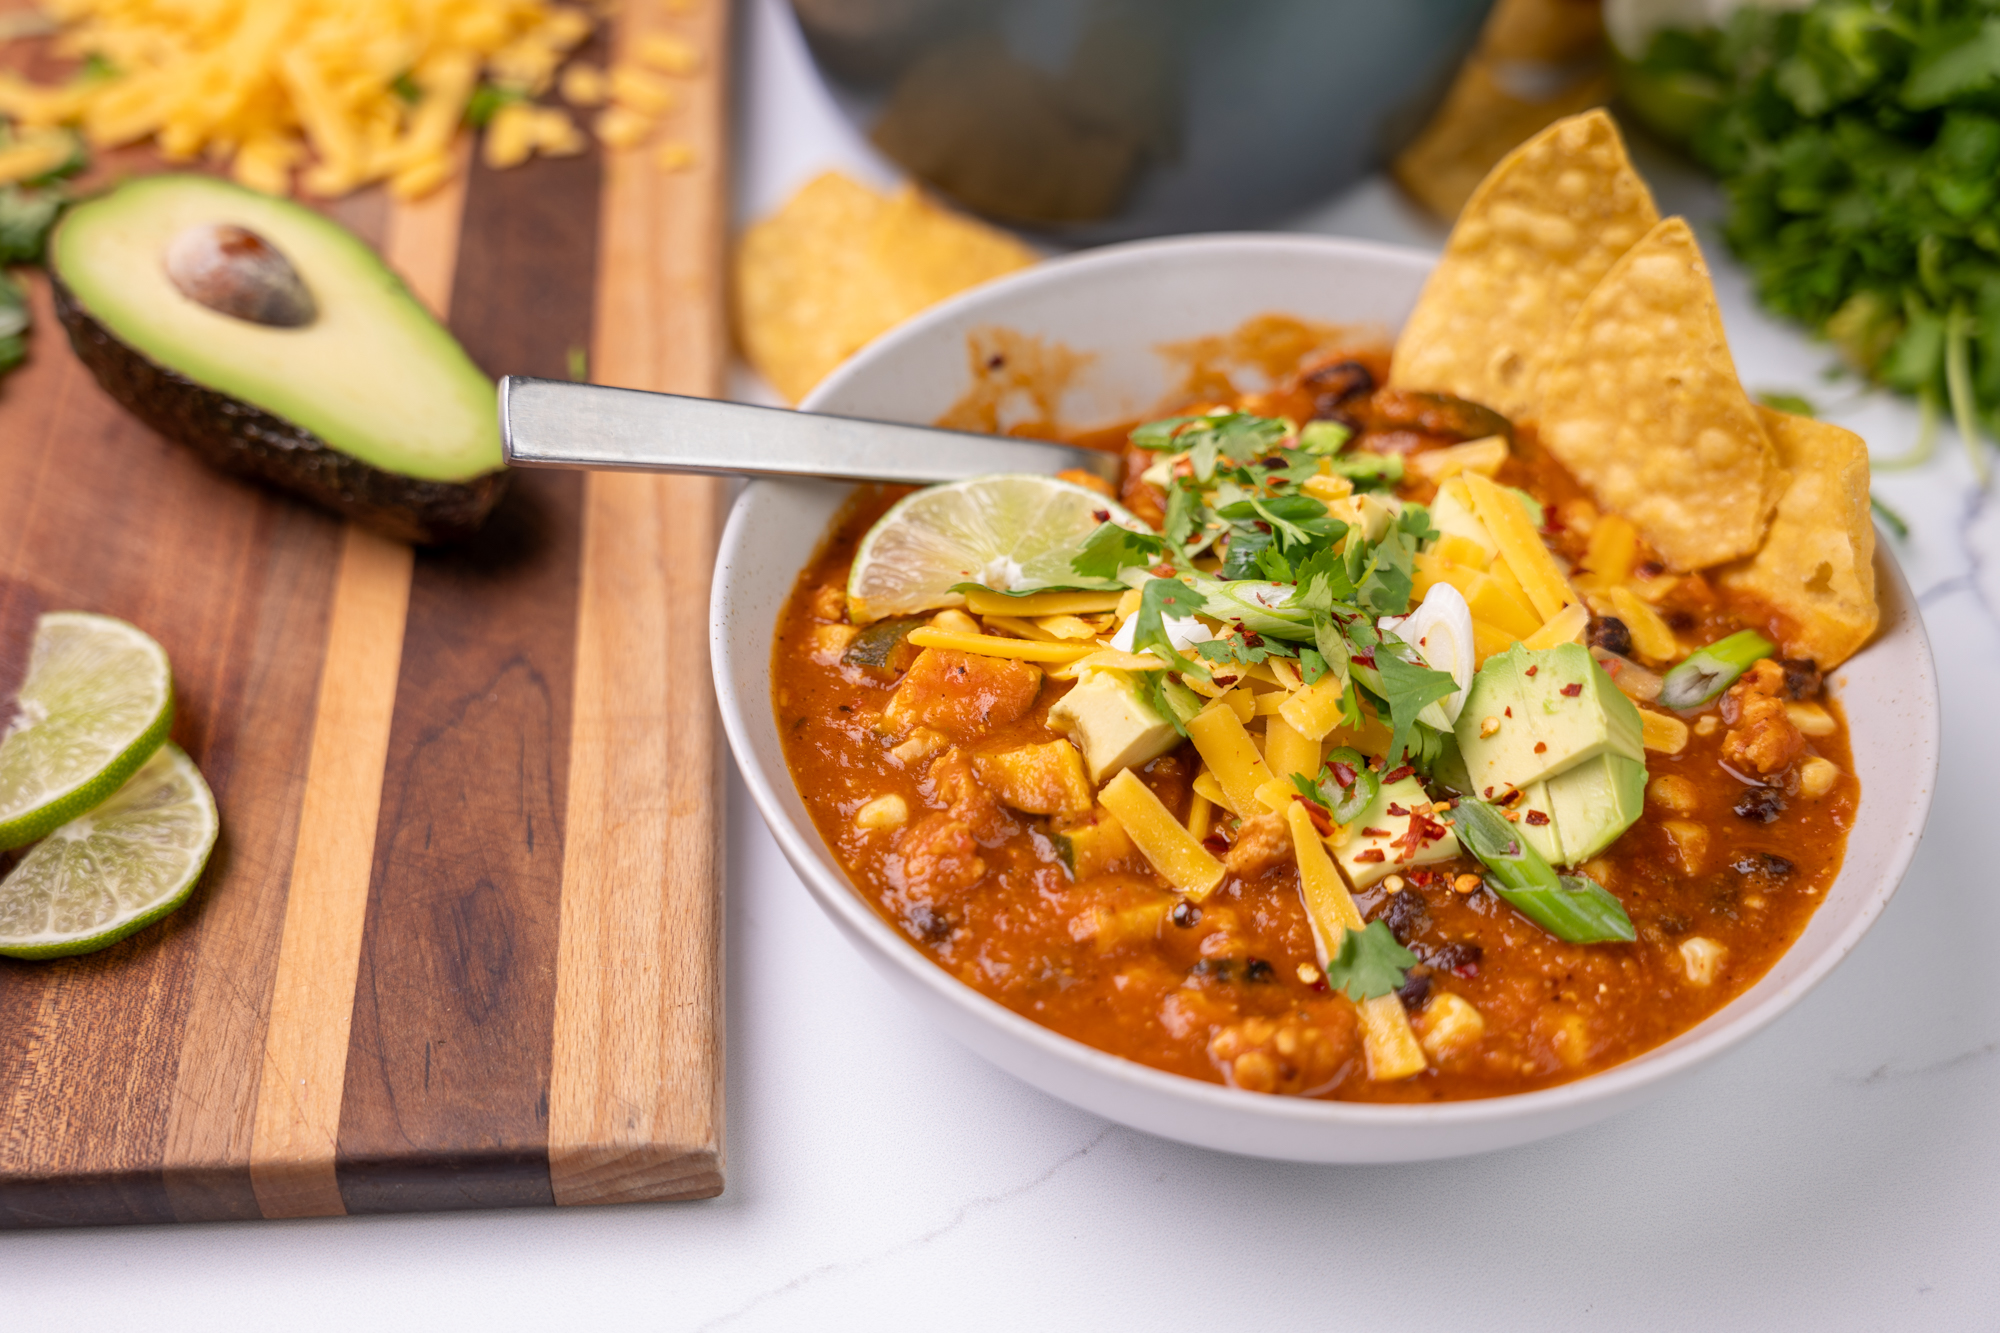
(445, 1103)
(91, 1060)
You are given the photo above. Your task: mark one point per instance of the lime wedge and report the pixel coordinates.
(1014, 532)
(119, 868)
(97, 702)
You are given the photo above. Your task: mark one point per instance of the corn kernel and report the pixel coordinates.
(890, 811)
(1811, 719)
(1673, 792)
(1701, 959)
(1816, 777)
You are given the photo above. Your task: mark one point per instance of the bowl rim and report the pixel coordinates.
(804, 849)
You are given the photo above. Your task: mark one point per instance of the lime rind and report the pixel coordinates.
(115, 870)
(1010, 532)
(97, 703)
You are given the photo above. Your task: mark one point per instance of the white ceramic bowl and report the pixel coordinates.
(1119, 304)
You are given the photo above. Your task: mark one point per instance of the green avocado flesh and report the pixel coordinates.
(371, 376)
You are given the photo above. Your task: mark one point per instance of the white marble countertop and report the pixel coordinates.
(1840, 1170)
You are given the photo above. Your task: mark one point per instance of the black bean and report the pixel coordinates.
(1221, 969)
(1611, 634)
(1416, 992)
(1802, 677)
(1761, 865)
(1761, 804)
(1186, 914)
(1337, 381)
(1404, 915)
(1257, 972)
(1460, 958)
(928, 924)
(1673, 925)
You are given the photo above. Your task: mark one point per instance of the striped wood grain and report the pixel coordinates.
(635, 1094)
(306, 1039)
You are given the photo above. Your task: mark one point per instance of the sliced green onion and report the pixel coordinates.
(1574, 909)
(1705, 674)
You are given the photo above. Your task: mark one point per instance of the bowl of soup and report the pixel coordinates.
(1274, 910)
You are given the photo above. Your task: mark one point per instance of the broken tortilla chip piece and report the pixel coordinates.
(1817, 564)
(1641, 403)
(1531, 243)
(839, 265)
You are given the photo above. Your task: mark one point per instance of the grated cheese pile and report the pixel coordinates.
(345, 92)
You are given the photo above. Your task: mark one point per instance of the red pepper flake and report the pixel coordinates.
(1251, 640)
(1344, 774)
(1368, 832)
(1533, 669)
(1398, 774)
(1373, 854)
(1163, 570)
(1489, 793)
(1366, 659)
(1224, 682)
(1419, 831)
(1571, 691)
(1537, 818)
(1101, 515)
(1541, 747)
(1321, 820)
(1510, 711)
(1397, 810)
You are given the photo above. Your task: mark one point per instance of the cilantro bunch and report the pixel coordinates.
(1245, 545)
(1859, 142)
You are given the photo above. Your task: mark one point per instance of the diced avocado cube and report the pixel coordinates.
(1543, 834)
(1595, 802)
(1533, 714)
(1112, 724)
(1089, 850)
(1372, 848)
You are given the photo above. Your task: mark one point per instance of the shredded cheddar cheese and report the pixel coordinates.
(338, 93)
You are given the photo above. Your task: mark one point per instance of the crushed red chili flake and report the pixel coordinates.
(1321, 820)
(1510, 711)
(1541, 747)
(1537, 818)
(1251, 639)
(1366, 659)
(1398, 774)
(1395, 809)
(1533, 669)
(1571, 691)
(1163, 570)
(1371, 832)
(1344, 774)
(1101, 515)
(1371, 855)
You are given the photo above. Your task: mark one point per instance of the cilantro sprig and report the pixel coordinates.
(1369, 963)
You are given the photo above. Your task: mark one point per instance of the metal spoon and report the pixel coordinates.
(554, 423)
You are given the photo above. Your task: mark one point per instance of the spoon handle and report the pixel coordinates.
(555, 423)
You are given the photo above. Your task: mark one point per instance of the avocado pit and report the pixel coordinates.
(234, 271)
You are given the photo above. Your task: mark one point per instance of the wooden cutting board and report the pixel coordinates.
(459, 945)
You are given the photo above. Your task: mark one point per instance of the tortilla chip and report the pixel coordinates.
(839, 265)
(1817, 564)
(1641, 403)
(1532, 242)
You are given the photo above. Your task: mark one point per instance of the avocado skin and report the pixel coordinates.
(235, 437)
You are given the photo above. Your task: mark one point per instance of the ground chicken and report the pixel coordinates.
(963, 695)
(1295, 1054)
(1761, 737)
(1263, 843)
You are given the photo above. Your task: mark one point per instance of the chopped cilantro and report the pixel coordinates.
(1369, 963)
(1159, 599)
(1324, 437)
(1408, 689)
(1112, 548)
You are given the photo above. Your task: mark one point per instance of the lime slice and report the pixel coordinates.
(97, 702)
(1014, 532)
(119, 868)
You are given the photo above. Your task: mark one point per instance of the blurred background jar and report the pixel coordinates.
(1083, 121)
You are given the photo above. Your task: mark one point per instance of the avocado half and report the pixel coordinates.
(342, 388)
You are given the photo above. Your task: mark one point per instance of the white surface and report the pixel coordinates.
(1842, 1170)
(1116, 306)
